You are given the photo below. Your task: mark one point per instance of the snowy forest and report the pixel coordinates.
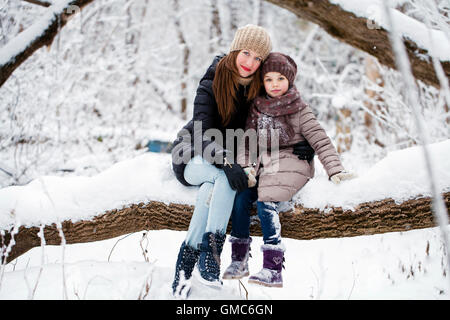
(81, 112)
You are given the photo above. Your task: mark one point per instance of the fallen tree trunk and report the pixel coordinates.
(300, 223)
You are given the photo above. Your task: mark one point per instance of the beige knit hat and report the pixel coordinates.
(252, 37)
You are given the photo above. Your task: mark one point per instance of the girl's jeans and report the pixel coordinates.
(214, 200)
(267, 213)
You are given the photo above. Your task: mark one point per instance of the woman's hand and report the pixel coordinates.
(304, 151)
(236, 176)
(343, 175)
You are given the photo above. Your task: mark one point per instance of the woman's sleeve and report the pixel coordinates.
(205, 118)
(205, 106)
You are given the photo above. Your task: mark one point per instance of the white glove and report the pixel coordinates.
(251, 174)
(343, 175)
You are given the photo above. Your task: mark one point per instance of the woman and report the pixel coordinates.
(222, 102)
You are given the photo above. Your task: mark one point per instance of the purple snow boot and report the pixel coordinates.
(270, 275)
(240, 252)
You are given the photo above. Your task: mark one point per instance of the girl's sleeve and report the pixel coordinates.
(320, 142)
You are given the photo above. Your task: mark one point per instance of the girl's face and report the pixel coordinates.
(275, 84)
(247, 62)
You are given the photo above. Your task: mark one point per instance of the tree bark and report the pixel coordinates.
(347, 27)
(39, 3)
(299, 223)
(344, 136)
(216, 37)
(186, 58)
(373, 99)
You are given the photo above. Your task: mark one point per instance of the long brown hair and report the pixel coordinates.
(225, 85)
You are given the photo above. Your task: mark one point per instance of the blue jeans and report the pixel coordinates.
(267, 213)
(214, 200)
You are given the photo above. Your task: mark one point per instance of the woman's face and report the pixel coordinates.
(247, 62)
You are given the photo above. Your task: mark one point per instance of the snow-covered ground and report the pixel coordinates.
(405, 265)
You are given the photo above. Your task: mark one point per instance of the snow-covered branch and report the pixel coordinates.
(360, 24)
(41, 33)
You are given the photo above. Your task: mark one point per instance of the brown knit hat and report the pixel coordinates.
(279, 62)
(252, 37)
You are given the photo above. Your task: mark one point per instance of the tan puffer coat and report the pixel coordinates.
(282, 176)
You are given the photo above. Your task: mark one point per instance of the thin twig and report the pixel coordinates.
(246, 292)
(41, 235)
(5, 252)
(354, 281)
(39, 3)
(147, 286)
(116, 244)
(144, 250)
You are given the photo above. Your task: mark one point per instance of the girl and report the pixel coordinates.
(280, 174)
(222, 102)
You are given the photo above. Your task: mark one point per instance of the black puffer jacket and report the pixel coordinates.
(206, 112)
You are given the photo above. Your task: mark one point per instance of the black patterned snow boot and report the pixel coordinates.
(208, 271)
(187, 257)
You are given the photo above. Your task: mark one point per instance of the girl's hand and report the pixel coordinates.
(343, 175)
(251, 175)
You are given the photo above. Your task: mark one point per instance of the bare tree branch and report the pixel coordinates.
(39, 2)
(349, 28)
